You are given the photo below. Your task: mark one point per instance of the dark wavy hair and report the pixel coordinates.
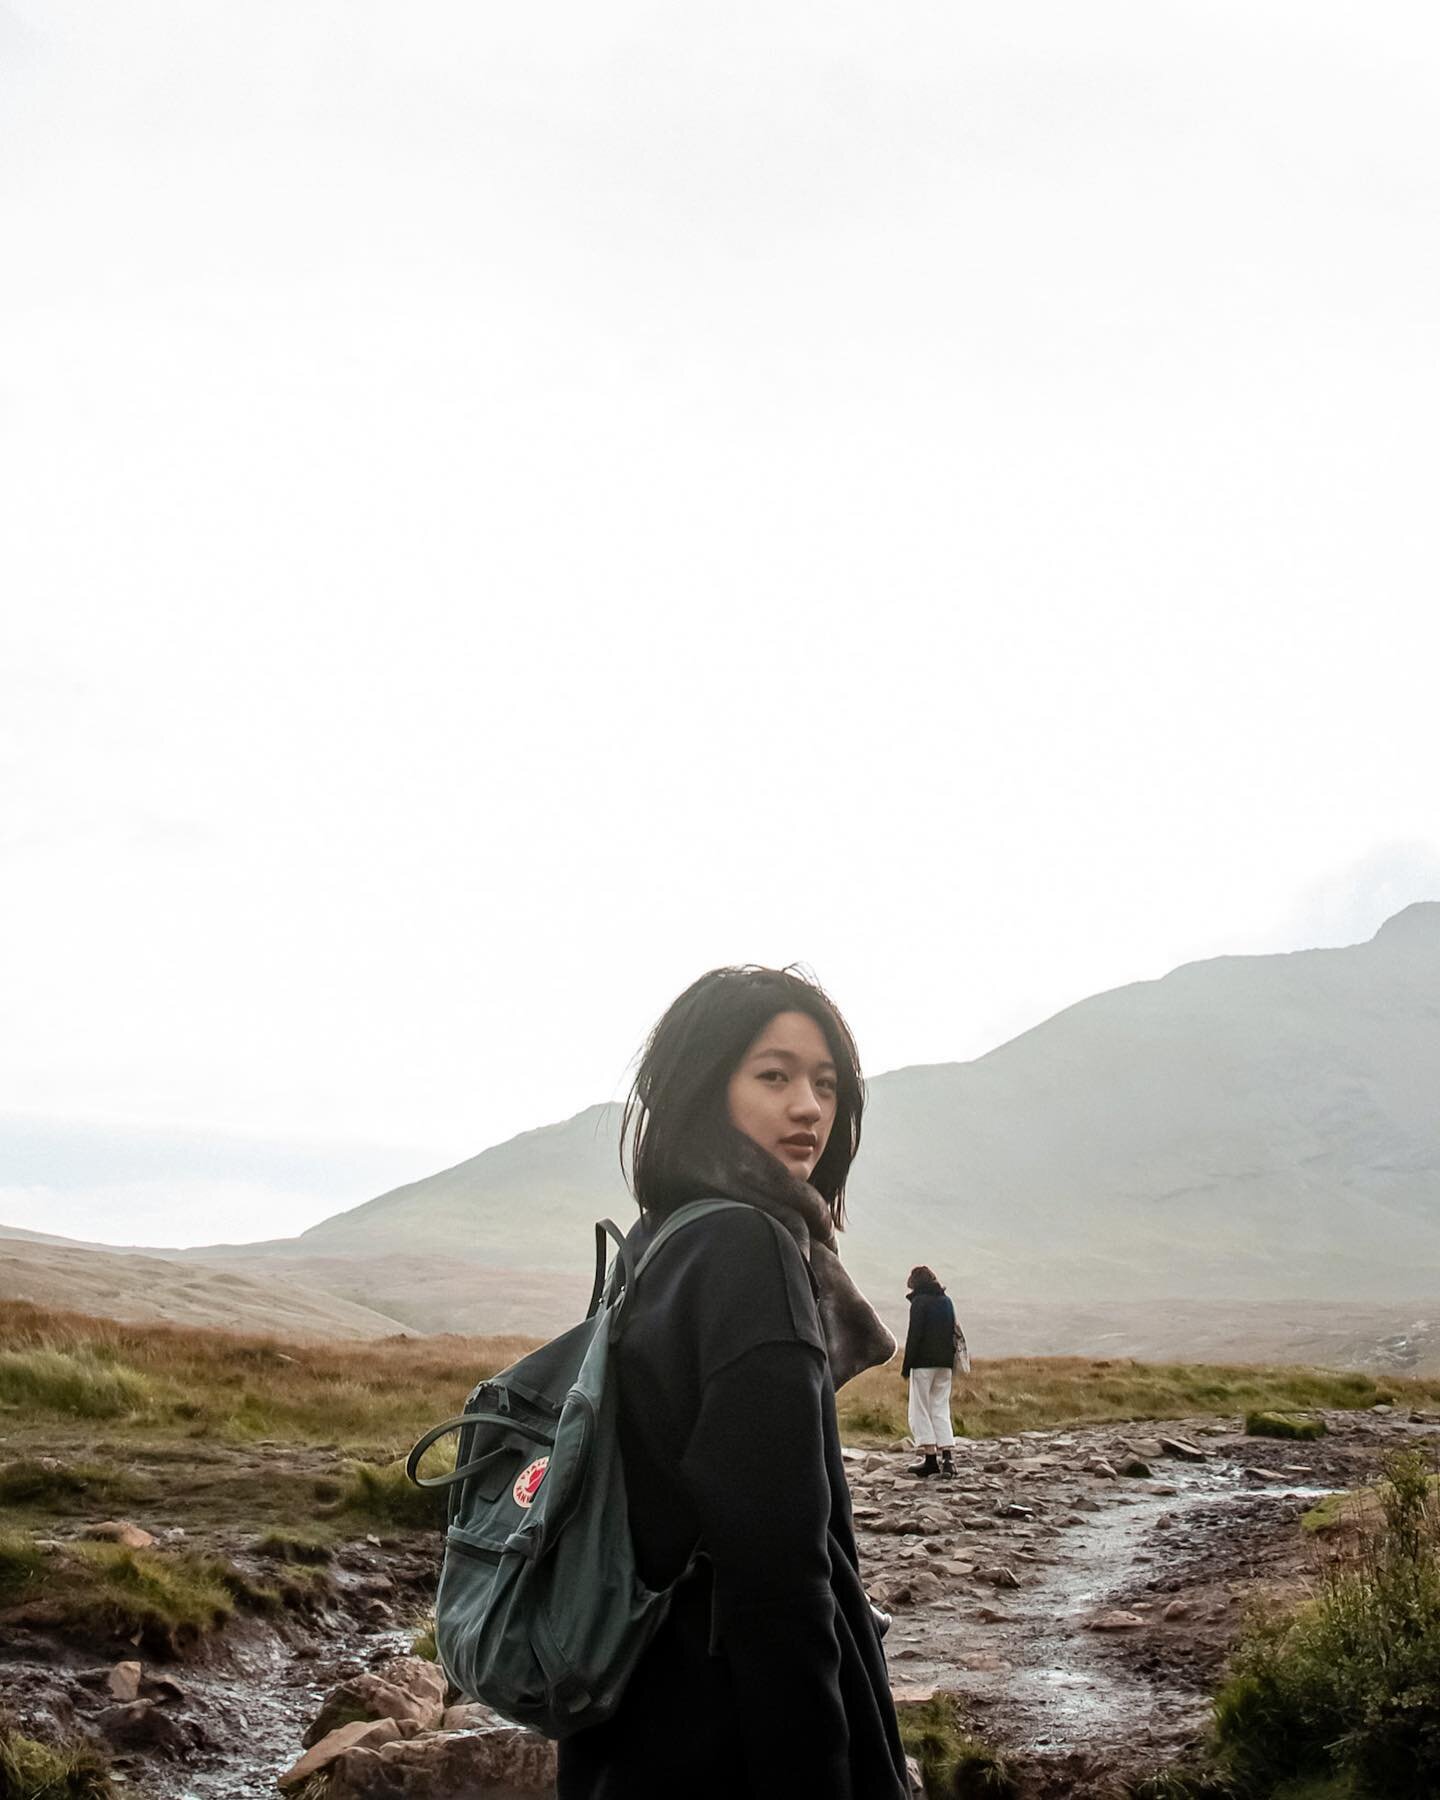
(676, 1124)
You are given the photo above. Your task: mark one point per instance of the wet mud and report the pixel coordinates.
(1084, 1615)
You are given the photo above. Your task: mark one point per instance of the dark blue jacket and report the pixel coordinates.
(930, 1341)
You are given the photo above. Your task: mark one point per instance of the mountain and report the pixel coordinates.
(1244, 1129)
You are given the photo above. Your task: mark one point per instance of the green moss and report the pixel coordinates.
(1283, 1425)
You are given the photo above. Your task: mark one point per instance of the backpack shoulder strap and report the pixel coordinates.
(679, 1219)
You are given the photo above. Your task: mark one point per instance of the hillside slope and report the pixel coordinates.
(1245, 1128)
(126, 1284)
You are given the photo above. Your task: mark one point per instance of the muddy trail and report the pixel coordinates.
(1081, 1611)
(1085, 1613)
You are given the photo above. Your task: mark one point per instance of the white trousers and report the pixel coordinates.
(930, 1408)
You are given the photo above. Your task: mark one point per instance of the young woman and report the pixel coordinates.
(767, 1680)
(929, 1363)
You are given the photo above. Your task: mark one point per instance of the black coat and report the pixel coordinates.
(930, 1341)
(767, 1680)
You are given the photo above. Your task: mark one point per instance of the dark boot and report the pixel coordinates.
(929, 1467)
(947, 1465)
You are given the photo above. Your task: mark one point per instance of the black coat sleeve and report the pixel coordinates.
(755, 1466)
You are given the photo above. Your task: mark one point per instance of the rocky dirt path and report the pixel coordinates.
(1004, 1585)
(1082, 1611)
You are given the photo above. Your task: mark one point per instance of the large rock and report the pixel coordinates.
(407, 1688)
(335, 1744)
(503, 1763)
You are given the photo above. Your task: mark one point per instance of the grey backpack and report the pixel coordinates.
(541, 1612)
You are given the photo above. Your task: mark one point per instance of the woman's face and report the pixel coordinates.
(783, 1092)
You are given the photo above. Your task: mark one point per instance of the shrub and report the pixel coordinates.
(1348, 1685)
(1283, 1425)
(80, 1383)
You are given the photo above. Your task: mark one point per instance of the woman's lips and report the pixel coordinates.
(798, 1147)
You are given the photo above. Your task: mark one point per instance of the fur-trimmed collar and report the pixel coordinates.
(855, 1337)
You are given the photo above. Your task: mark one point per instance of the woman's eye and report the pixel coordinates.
(765, 1074)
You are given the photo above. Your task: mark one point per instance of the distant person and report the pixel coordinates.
(931, 1346)
(766, 1680)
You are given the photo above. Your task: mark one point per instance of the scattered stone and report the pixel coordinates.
(1097, 1465)
(1012, 1510)
(1177, 1609)
(1134, 1467)
(123, 1681)
(1183, 1449)
(119, 1531)
(1262, 1475)
(1115, 1621)
(1000, 1578)
(987, 1615)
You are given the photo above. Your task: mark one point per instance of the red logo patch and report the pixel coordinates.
(527, 1482)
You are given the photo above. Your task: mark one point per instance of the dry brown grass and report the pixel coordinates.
(379, 1394)
(1022, 1393)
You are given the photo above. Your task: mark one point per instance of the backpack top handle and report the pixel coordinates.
(608, 1228)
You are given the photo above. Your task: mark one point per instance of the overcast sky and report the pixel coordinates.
(510, 509)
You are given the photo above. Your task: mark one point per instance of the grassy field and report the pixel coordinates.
(1034, 1393)
(372, 1400)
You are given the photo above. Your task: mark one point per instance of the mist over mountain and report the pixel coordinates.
(1245, 1128)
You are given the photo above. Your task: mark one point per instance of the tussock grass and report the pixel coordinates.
(1000, 1398)
(1283, 1425)
(78, 1382)
(382, 1493)
(171, 1599)
(59, 1487)
(67, 1770)
(374, 1396)
(423, 1643)
(953, 1764)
